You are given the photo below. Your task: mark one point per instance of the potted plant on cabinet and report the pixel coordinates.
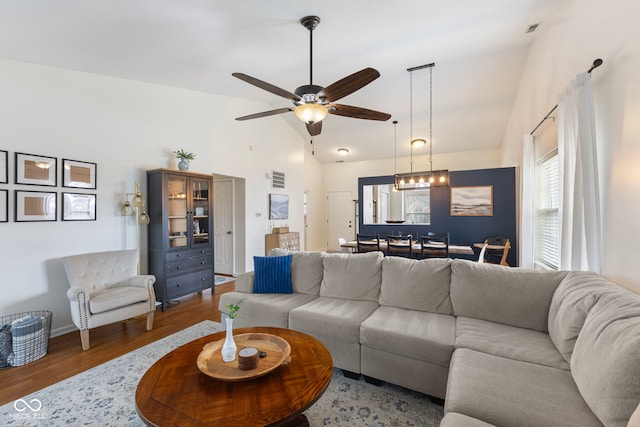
(185, 158)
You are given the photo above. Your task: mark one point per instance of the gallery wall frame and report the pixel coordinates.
(32, 169)
(4, 205)
(78, 174)
(472, 201)
(34, 206)
(278, 206)
(78, 207)
(4, 167)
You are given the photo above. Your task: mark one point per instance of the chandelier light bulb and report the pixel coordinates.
(402, 182)
(442, 178)
(431, 180)
(421, 180)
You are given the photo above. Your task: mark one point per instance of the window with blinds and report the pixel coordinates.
(547, 218)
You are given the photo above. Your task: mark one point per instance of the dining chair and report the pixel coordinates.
(400, 245)
(367, 242)
(434, 245)
(342, 241)
(497, 256)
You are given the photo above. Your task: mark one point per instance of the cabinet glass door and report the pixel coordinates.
(200, 211)
(177, 194)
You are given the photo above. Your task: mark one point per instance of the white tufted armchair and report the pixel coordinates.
(106, 288)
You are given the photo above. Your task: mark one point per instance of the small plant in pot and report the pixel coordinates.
(185, 158)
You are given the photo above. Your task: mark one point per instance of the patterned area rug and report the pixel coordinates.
(221, 280)
(104, 396)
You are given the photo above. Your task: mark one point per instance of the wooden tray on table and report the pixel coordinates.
(277, 349)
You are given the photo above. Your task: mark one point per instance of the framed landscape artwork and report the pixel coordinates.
(35, 170)
(76, 174)
(278, 206)
(472, 201)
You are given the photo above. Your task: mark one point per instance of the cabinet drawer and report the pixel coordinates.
(188, 254)
(189, 265)
(189, 283)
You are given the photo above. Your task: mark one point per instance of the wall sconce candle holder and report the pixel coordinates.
(134, 205)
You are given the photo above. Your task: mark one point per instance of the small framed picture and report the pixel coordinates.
(77, 174)
(78, 207)
(35, 170)
(4, 205)
(4, 168)
(35, 206)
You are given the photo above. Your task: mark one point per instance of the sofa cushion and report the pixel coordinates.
(513, 296)
(332, 317)
(508, 341)
(508, 392)
(605, 362)
(263, 309)
(416, 334)
(352, 276)
(272, 274)
(306, 269)
(416, 284)
(116, 297)
(575, 296)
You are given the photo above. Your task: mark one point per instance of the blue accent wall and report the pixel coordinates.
(464, 230)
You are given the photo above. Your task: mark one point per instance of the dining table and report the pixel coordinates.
(415, 246)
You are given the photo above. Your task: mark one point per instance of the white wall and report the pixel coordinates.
(316, 203)
(594, 29)
(126, 127)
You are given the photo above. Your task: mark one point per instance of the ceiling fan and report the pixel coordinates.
(311, 102)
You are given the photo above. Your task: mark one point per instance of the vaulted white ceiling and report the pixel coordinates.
(479, 49)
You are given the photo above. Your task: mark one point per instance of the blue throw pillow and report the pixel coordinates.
(272, 275)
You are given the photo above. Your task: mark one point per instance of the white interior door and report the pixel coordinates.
(340, 218)
(223, 226)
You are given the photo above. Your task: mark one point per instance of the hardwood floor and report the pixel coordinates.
(65, 357)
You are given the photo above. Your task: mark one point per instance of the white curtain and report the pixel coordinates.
(580, 224)
(527, 216)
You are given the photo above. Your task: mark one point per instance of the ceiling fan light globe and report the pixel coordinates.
(311, 113)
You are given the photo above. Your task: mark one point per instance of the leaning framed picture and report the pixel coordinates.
(35, 206)
(4, 205)
(77, 174)
(278, 206)
(4, 168)
(472, 201)
(35, 170)
(78, 207)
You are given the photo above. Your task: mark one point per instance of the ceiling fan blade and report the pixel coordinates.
(349, 84)
(265, 114)
(315, 128)
(357, 112)
(267, 86)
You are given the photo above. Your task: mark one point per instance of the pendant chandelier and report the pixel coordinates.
(423, 179)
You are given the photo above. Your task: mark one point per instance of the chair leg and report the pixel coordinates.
(84, 338)
(150, 320)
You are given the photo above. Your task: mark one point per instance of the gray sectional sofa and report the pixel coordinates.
(502, 346)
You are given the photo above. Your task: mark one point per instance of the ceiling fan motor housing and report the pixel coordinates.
(307, 93)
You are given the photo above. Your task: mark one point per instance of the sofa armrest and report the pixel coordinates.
(74, 292)
(244, 282)
(143, 281)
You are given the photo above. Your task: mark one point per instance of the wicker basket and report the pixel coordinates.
(31, 340)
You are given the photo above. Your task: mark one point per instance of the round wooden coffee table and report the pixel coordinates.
(174, 391)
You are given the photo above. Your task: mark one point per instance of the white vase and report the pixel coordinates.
(229, 347)
(183, 165)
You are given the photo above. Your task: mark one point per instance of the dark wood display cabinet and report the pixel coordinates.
(180, 239)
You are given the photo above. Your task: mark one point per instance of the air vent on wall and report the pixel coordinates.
(277, 180)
